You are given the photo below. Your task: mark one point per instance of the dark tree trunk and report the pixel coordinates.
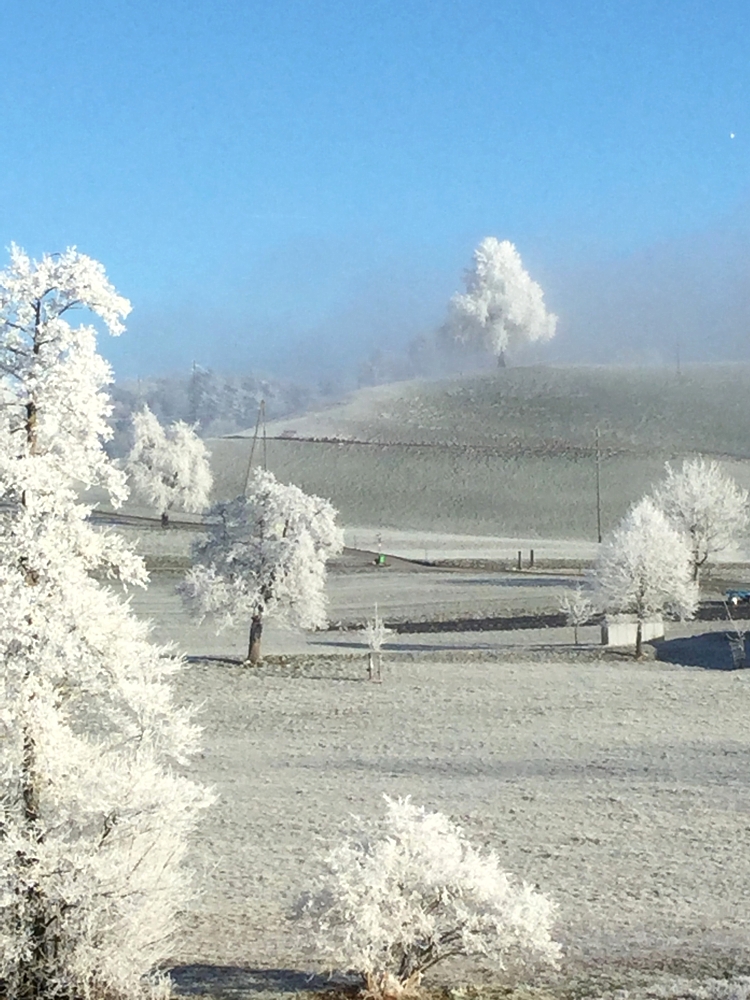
(165, 519)
(501, 363)
(639, 640)
(34, 971)
(256, 632)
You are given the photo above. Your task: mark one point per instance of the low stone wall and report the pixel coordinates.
(623, 633)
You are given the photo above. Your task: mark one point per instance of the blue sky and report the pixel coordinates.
(286, 185)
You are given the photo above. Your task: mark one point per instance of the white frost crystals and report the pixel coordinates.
(265, 554)
(168, 468)
(409, 891)
(502, 306)
(94, 816)
(706, 505)
(644, 568)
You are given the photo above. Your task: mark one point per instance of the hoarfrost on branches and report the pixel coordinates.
(644, 568)
(706, 505)
(374, 634)
(502, 306)
(265, 554)
(168, 468)
(578, 609)
(375, 631)
(95, 821)
(410, 891)
(53, 379)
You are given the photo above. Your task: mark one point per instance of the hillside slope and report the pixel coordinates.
(706, 409)
(508, 453)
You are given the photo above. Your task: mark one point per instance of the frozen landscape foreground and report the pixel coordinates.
(622, 790)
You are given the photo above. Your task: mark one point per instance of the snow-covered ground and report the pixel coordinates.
(434, 546)
(621, 789)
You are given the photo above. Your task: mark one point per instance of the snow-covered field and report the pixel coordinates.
(621, 789)
(510, 454)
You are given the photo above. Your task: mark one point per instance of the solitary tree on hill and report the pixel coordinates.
(644, 569)
(265, 555)
(502, 306)
(706, 505)
(94, 819)
(168, 468)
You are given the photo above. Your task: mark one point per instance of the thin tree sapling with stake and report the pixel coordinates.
(264, 555)
(95, 819)
(578, 609)
(374, 634)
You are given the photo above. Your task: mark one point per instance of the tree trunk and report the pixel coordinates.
(639, 640)
(34, 970)
(575, 633)
(165, 519)
(256, 631)
(501, 360)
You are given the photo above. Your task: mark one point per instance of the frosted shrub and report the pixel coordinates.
(410, 891)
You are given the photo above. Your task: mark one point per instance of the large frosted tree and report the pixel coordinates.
(94, 819)
(644, 569)
(265, 555)
(169, 468)
(502, 306)
(705, 505)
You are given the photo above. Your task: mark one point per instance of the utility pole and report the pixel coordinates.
(598, 488)
(261, 416)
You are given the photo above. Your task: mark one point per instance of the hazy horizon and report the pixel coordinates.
(287, 188)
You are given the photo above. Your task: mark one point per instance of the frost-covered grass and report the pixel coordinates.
(621, 790)
(511, 453)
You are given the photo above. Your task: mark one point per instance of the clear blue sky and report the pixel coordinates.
(286, 183)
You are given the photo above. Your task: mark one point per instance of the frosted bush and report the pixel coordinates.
(409, 891)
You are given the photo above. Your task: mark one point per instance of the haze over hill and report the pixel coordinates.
(511, 453)
(705, 408)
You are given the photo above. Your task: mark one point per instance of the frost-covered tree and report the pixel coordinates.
(409, 891)
(578, 609)
(706, 505)
(374, 634)
(265, 555)
(502, 306)
(169, 468)
(644, 569)
(94, 820)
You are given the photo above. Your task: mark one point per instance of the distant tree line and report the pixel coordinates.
(216, 402)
